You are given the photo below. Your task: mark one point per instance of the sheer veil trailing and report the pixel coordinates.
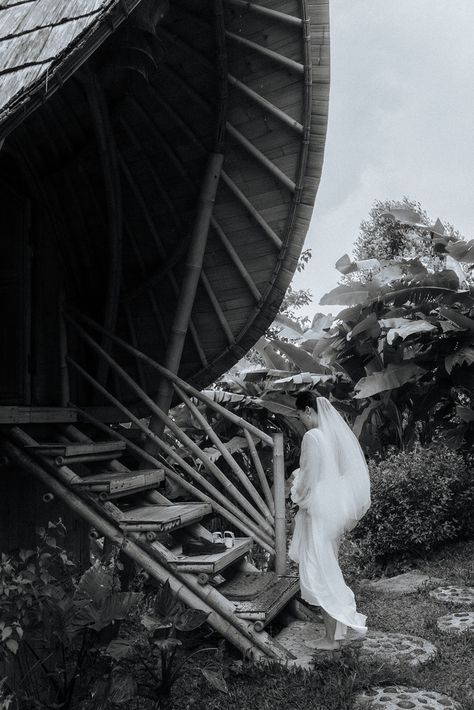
(341, 495)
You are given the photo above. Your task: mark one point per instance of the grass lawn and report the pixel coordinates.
(336, 677)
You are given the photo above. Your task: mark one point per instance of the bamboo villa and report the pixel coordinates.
(159, 163)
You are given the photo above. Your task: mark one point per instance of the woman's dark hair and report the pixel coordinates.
(306, 399)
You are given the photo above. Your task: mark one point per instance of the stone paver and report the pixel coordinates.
(454, 595)
(395, 647)
(397, 697)
(457, 623)
(406, 583)
(294, 636)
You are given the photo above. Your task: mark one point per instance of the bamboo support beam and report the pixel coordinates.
(265, 486)
(227, 456)
(217, 308)
(286, 62)
(189, 389)
(228, 486)
(161, 251)
(234, 518)
(279, 493)
(65, 389)
(221, 612)
(266, 105)
(189, 285)
(261, 158)
(266, 12)
(236, 260)
(253, 212)
(113, 195)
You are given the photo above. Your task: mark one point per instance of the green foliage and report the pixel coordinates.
(148, 665)
(51, 618)
(383, 238)
(420, 500)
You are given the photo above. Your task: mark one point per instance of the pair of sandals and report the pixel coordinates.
(226, 538)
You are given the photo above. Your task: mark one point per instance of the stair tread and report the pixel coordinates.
(81, 449)
(272, 598)
(119, 476)
(165, 517)
(213, 562)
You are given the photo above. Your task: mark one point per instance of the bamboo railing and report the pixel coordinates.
(248, 506)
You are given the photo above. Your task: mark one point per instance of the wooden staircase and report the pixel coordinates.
(117, 487)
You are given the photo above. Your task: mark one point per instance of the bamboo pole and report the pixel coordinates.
(65, 390)
(189, 487)
(279, 493)
(217, 309)
(266, 12)
(193, 267)
(259, 535)
(236, 260)
(253, 212)
(260, 472)
(189, 389)
(221, 612)
(286, 62)
(229, 487)
(227, 456)
(261, 158)
(265, 104)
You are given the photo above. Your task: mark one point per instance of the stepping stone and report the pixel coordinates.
(399, 696)
(406, 583)
(294, 636)
(395, 648)
(457, 623)
(454, 595)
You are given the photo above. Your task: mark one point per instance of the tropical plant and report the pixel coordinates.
(51, 619)
(148, 665)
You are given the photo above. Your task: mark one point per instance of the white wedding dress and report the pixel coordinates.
(332, 490)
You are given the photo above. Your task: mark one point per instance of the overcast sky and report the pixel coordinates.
(401, 121)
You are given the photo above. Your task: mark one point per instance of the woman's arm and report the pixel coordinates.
(306, 475)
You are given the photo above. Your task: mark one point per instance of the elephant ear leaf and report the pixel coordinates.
(464, 356)
(392, 377)
(299, 357)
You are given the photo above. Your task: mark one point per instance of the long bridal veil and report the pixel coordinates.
(341, 495)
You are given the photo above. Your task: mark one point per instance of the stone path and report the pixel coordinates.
(458, 622)
(396, 648)
(406, 583)
(454, 595)
(396, 697)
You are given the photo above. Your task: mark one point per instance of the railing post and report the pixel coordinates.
(279, 497)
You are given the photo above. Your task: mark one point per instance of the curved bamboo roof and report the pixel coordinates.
(110, 109)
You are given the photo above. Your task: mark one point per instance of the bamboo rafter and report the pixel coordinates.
(266, 105)
(286, 62)
(261, 158)
(253, 212)
(266, 12)
(236, 260)
(217, 308)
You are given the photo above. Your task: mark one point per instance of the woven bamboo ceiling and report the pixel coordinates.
(109, 111)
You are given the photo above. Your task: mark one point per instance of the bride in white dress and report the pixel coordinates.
(332, 491)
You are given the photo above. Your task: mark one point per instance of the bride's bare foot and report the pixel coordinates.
(323, 644)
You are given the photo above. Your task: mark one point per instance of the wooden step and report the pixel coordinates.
(64, 454)
(211, 564)
(275, 593)
(37, 415)
(113, 484)
(162, 518)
